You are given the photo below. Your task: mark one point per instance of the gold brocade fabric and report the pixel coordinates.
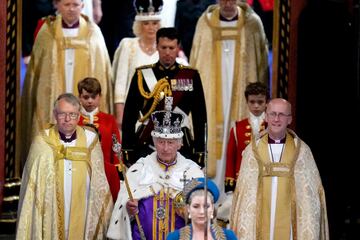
(284, 170)
(250, 65)
(79, 155)
(308, 207)
(161, 226)
(220, 34)
(45, 76)
(41, 203)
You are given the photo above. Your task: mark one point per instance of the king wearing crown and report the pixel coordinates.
(154, 182)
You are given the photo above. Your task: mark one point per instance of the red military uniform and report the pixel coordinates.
(106, 125)
(240, 137)
(266, 5)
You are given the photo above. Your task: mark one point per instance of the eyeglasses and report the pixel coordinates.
(63, 115)
(282, 116)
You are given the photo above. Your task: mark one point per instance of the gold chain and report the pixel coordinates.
(161, 86)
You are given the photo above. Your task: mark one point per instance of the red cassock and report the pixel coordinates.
(266, 5)
(240, 137)
(40, 22)
(106, 126)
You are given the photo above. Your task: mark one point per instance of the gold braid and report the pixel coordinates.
(161, 86)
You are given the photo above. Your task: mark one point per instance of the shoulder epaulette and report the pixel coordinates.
(146, 66)
(181, 66)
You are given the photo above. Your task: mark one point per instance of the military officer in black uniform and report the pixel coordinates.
(149, 86)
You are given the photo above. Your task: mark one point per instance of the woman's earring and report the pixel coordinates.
(189, 216)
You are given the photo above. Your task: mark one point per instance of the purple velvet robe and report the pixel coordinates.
(146, 211)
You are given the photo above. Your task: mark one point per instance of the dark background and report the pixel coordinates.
(328, 105)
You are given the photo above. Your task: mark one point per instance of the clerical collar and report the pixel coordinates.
(69, 139)
(65, 25)
(236, 17)
(280, 141)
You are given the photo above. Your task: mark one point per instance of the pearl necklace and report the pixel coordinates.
(148, 50)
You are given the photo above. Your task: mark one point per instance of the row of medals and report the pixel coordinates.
(182, 84)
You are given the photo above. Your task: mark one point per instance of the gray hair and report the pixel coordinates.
(69, 98)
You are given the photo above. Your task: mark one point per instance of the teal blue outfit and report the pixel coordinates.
(217, 233)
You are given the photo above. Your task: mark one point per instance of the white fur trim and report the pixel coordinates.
(148, 17)
(167, 135)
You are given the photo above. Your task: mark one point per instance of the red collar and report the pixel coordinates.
(65, 25)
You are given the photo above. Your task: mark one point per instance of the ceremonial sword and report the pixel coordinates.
(117, 149)
(205, 185)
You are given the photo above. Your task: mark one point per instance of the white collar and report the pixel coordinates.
(88, 114)
(259, 118)
(255, 122)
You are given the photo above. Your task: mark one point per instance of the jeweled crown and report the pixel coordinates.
(167, 124)
(148, 9)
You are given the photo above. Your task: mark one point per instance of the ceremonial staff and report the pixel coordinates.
(205, 185)
(117, 149)
(182, 197)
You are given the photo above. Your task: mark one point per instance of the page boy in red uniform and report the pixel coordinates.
(256, 95)
(89, 94)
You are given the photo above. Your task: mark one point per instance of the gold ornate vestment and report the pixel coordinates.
(300, 207)
(45, 76)
(250, 65)
(41, 204)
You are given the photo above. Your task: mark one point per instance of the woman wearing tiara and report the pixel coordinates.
(138, 51)
(134, 52)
